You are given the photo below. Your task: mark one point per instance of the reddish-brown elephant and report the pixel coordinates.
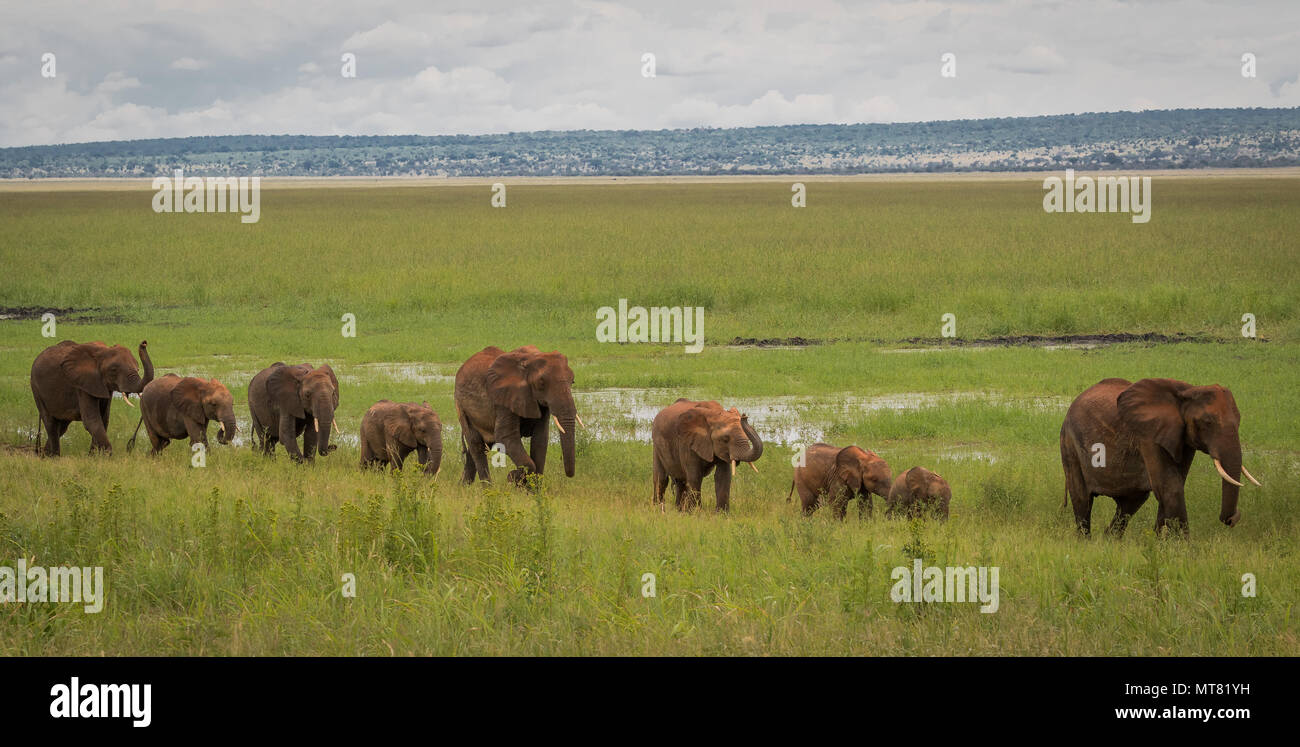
(174, 407)
(506, 397)
(390, 431)
(918, 491)
(834, 475)
(285, 402)
(690, 440)
(75, 381)
(1125, 440)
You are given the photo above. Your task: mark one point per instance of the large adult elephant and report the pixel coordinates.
(691, 439)
(75, 381)
(834, 475)
(1126, 440)
(390, 431)
(506, 397)
(288, 401)
(174, 407)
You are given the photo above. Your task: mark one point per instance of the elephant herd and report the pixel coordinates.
(1120, 439)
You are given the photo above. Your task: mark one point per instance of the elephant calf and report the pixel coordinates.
(917, 490)
(391, 430)
(837, 475)
(172, 407)
(690, 440)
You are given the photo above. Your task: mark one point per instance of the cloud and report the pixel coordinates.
(188, 63)
(1035, 59)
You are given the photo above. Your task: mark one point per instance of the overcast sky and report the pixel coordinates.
(127, 70)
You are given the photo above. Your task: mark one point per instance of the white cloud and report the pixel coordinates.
(188, 63)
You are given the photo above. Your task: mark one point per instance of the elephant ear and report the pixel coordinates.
(82, 369)
(693, 428)
(1152, 410)
(398, 426)
(285, 386)
(508, 384)
(917, 484)
(187, 399)
(848, 468)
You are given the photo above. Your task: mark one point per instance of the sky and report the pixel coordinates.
(127, 70)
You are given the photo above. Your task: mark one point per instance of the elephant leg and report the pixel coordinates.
(537, 446)
(54, 429)
(679, 491)
(476, 462)
(840, 504)
(1167, 483)
(399, 452)
(808, 498)
(659, 479)
(1125, 507)
(722, 487)
(1080, 497)
(289, 436)
(310, 438)
(159, 443)
(524, 463)
(92, 419)
(864, 505)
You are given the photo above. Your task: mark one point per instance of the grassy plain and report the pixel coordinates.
(245, 556)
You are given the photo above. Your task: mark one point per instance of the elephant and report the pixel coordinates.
(836, 475)
(1148, 433)
(690, 439)
(919, 490)
(72, 381)
(390, 430)
(288, 401)
(172, 407)
(506, 397)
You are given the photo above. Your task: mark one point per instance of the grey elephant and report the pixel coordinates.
(290, 401)
(918, 491)
(835, 475)
(390, 431)
(691, 439)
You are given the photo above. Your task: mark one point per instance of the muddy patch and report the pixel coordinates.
(87, 314)
(1056, 341)
(779, 343)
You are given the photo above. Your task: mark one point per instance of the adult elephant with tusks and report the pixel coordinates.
(690, 440)
(506, 397)
(1127, 440)
(75, 381)
(288, 401)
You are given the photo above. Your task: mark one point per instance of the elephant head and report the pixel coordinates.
(525, 381)
(303, 392)
(100, 370)
(418, 427)
(1176, 416)
(927, 490)
(203, 401)
(863, 471)
(718, 435)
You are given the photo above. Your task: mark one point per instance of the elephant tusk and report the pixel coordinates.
(1224, 474)
(1249, 476)
(751, 466)
(127, 399)
(557, 423)
(334, 424)
(316, 424)
(580, 423)
(733, 468)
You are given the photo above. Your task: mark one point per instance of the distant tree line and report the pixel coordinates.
(1173, 139)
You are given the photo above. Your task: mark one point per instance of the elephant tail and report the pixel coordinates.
(791, 493)
(131, 444)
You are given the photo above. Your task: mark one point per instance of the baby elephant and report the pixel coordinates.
(917, 490)
(836, 476)
(390, 430)
(172, 407)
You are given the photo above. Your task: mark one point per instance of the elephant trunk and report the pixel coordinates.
(755, 444)
(432, 456)
(227, 432)
(323, 411)
(147, 363)
(1228, 457)
(566, 415)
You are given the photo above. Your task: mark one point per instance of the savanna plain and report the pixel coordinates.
(246, 555)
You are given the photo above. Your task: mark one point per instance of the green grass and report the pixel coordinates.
(246, 556)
